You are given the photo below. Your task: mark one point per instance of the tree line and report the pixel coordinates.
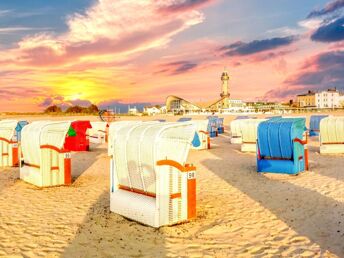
(73, 109)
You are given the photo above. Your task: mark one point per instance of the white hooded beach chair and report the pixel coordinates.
(236, 128)
(201, 139)
(44, 161)
(98, 133)
(332, 135)
(150, 182)
(249, 130)
(8, 143)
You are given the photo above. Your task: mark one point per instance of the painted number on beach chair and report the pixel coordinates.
(15, 145)
(67, 155)
(191, 175)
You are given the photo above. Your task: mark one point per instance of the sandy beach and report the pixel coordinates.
(239, 213)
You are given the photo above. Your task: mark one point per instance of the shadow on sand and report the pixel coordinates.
(285, 200)
(106, 234)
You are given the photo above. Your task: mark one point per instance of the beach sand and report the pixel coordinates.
(239, 213)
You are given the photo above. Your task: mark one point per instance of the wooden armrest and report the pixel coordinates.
(53, 148)
(175, 164)
(300, 141)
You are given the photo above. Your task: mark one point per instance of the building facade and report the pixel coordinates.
(330, 98)
(306, 100)
(178, 105)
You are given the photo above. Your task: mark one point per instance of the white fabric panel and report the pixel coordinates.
(113, 128)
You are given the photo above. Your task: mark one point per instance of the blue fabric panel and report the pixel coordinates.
(285, 141)
(263, 141)
(19, 127)
(196, 141)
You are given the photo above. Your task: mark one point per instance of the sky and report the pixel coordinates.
(137, 52)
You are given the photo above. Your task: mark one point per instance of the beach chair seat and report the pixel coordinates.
(44, 161)
(314, 124)
(80, 140)
(149, 180)
(201, 139)
(10, 134)
(332, 135)
(249, 129)
(281, 146)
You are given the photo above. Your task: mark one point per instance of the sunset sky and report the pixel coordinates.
(114, 53)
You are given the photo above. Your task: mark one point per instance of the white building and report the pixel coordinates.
(132, 111)
(328, 99)
(152, 111)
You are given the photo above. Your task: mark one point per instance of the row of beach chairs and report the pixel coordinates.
(150, 181)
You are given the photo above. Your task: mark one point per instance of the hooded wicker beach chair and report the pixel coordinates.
(99, 132)
(201, 139)
(332, 135)
(242, 117)
(314, 124)
(212, 126)
(220, 126)
(249, 128)
(80, 140)
(236, 130)
(184, 119)
(44, 161)
(149, 180)
(10, 134)
(281, 148)
(273, 117)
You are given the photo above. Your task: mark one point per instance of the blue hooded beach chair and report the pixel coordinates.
(242, 117)
(184, 119)
(273, 117)
(19, 127)
(220, 127)
(280, 148)
(314, 125)
(212, 126)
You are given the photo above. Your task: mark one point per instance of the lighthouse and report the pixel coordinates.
(225, 79)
